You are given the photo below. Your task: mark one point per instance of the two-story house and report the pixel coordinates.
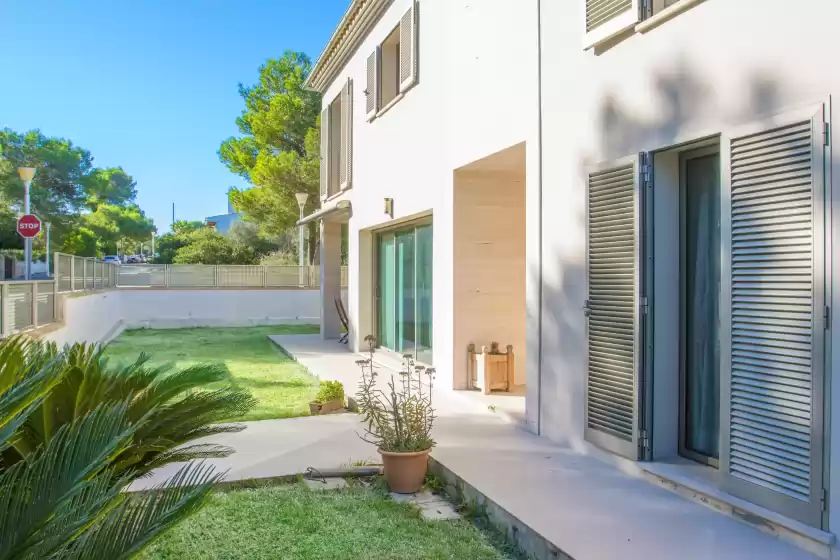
(637, 195)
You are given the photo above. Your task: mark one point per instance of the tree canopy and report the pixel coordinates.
(90, 208)
(278, 150)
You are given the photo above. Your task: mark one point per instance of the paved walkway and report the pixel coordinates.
(585, 507)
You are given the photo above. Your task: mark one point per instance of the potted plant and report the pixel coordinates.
(330, 398)
(399, 420)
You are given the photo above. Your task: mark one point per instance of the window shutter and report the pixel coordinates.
(773, 280)
(408, 48)
(325, 151)
(347, 135)
(372, 90)
(605, 18)
(614, 326)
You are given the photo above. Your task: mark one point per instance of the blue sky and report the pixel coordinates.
(150, 85)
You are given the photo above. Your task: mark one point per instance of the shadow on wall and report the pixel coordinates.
(685, 100)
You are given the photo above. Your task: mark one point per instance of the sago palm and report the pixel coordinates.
(64, 499)
(168, 408)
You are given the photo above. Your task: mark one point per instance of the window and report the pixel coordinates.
(605, 19)
(337, 143)
(389, 69)
(392, 66)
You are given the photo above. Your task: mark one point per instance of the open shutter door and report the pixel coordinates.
(614, 327)
(408, 48)
(773, 278)
(346, 171)
(372, 90)
(605, 18)
(325, 151)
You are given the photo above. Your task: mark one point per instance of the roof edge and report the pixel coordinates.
(353, 28)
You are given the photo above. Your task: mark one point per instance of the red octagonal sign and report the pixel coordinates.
(29, 225)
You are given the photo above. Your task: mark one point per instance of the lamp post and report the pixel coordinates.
(47, 258)
(153, 245)
(26, 175)
(301, 200)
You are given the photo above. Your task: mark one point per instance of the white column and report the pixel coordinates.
(330, 279)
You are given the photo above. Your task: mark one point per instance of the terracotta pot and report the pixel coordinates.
(405, 472)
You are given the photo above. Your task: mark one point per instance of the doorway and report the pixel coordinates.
(699, 305)
(404, 291)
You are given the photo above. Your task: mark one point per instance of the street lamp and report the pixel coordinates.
(301, 200)
(26, 175)
(47, 258)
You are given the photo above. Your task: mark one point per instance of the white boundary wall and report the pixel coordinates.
(102, 316)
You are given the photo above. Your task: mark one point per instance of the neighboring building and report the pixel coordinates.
(637, 197)
(223, 222)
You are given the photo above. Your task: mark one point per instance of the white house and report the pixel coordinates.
(636, 195)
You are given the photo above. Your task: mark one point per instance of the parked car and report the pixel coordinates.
(114, 259)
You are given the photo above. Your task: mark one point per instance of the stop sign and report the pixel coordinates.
(29, 225)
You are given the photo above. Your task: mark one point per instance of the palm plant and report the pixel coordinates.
(167, 408)
(64, 498)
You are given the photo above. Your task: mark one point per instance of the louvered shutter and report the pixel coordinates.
(347, 135)
(408, 48)
(325, 151)
(614, 326)
(605, 18)
(772, 308)
(372, 90)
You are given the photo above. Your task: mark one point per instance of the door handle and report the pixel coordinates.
(587, 309)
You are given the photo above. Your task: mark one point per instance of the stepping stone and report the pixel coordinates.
(332, 483)
(432, 507)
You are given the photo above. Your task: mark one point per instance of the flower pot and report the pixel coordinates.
(316, 408)
(405, 472)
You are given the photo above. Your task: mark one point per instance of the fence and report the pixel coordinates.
(74, 273)
(220, 276)
(26, 304)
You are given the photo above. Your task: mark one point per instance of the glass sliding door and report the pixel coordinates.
(700, 295)
(386, 289)
(404, 291)
(423, 337)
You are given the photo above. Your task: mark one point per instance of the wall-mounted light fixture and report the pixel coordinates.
(389, 207)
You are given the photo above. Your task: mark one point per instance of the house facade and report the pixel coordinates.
(636, 195)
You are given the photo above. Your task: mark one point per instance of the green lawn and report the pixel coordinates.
(295, 523)
(282, 387)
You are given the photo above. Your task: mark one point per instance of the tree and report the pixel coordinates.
(109, 186)
(81, 242)
(186, 226)
(248, 234)
(119, 224)
(207, 246)
(167, 246)
(279, 150)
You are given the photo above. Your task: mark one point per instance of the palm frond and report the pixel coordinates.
(198, 451)
(66, 469)
(144, 516)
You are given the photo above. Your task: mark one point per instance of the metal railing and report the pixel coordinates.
(73, 274)
(26, 304)
(220, 276)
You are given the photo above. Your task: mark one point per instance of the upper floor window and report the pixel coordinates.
(605, 19)
(392, 66)
(337, 143)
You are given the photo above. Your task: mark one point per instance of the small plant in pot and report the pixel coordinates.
(399, 419)
(330, 398)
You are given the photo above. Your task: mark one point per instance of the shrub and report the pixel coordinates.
(330, 390)
(401, 418)
(168, 408)
(65, 499)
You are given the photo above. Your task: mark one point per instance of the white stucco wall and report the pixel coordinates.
(718, 65)
(98, 317)
(476, 95)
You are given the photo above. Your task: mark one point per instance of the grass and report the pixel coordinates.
(281, 386)
(291, 521)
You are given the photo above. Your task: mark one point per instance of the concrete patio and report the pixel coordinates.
(562, 503)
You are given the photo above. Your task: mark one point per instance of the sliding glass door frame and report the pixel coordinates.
(393, 232)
